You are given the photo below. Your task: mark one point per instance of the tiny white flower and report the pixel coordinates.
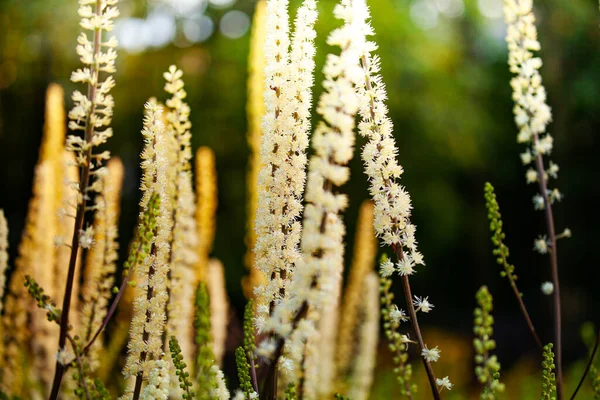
(286, 365)
(531, 175)
(444, 383)
(239, 395)
(59, 241)
(541, 245)
(406, 266)
(387, 268)
(86, 238)
(430, 355)
(547, 288)
(397, 315)
(567, 233)
(526, 158)
(422, 304)
(538, 202)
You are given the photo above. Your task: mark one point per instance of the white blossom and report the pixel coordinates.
(547, 288)
(430, 355)
(422, 304)
(444, 383)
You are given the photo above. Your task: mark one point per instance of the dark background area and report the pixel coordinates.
(444, 62)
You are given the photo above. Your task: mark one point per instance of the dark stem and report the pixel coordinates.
(554, 267)
(253, 374)
(513, 285)
(270, 386)
(79, 218)
(417, 330)
(588, 366)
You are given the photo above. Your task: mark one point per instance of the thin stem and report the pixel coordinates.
(554, 267)
(113, 308)
(79, 218)
(417, 330)
(588, 366)
(253, 374)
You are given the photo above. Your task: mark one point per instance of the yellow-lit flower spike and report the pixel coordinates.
(3, 268)
(206, 207)
(55, 125)
(363, 365)
(365, 251)
(219, 307)
(149, 305)
(183, 257)
(3, 255)
(36, 258)
(102, 257)
(26, 327)
(286, 126)
(333, 141)
(255, 111)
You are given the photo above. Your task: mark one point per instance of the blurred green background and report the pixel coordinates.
(444, 62)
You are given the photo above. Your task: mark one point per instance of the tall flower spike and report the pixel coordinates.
(145, 345)
(361, 376)
(90, 117)
(532, 115)
(255, 111)
(183, 256)
(101, 258)
(283, 149)
(365, 251)
(206, 191)
(392, 203)
(322, 238)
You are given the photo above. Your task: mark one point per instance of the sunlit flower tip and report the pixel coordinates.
(86, 238)
(387, 268)
(253, 395)
(397, 315)
(406, 266)
(430, 355)
(541, 245)
(286, 365)
(538, 202)
(531, 175)
(423, 304)
(444, 383)
(547, 288)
